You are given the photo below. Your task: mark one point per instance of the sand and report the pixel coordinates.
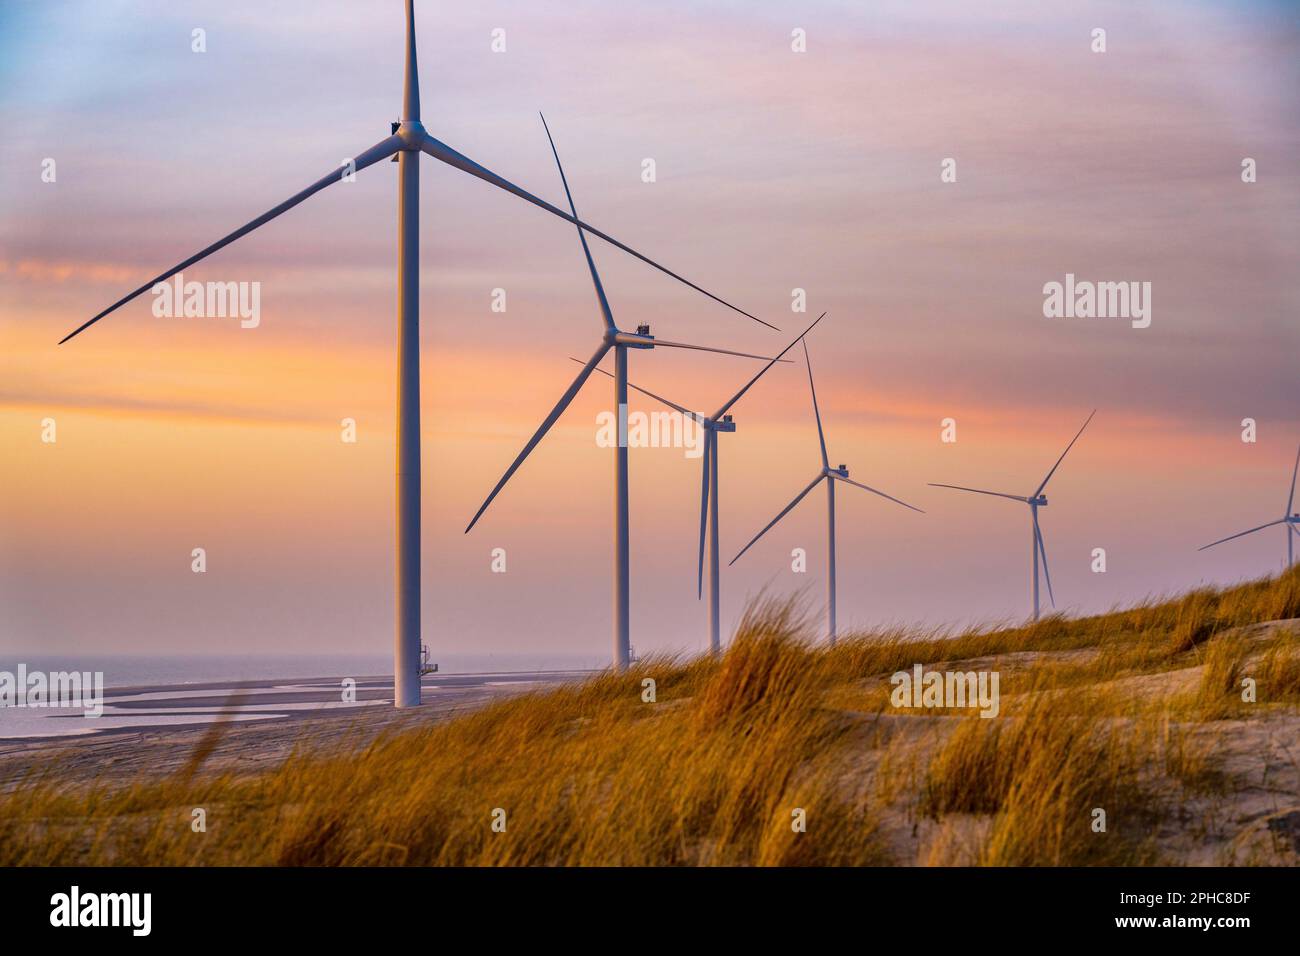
(262, 723)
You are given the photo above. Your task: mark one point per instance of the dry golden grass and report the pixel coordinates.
(1279, 674)
(1224, 662)
(731, 753)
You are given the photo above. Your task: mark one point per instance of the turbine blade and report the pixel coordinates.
(784, 511)
(1294, 529)
(704, 509)
(979, 491)
(761, 372)
(1039, 490)
(444, 153)
(1295, 468)
(857, 484)
(605, 310)
(374, 154)
(820, 436)
(686, 412)
(1240, 534)
(538, 435)
(664, 343)
(1042, 550)
(411, 93)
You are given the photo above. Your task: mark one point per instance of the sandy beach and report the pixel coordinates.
(154, 730)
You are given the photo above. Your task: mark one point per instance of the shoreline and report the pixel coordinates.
(261, 722)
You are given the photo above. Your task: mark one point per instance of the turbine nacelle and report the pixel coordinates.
(640, 339)
(725, 424)
(1039, 501)
(842, 471)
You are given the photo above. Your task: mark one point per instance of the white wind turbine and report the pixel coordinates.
(830, 476)
(719, 421)
(1035, 501)
(409, 138)
(1290, 519)
(620, 342)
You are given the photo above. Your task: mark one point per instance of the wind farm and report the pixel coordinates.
(720, 422)
(287, 583)
(408, 140)
(618, 341)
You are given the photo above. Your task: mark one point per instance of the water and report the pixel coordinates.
(163, 690)
(132, 670)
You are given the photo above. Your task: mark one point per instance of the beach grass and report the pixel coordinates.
(1134, 737)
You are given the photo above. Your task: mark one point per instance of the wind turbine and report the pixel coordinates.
(1289, 518)
(713, 424)
(830, 476)
(1035, 501)
(408, 139)
(620, 341)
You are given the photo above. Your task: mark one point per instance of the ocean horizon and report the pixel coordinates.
(136, 670)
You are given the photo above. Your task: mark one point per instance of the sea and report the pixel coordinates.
(139, 670)
(155, 691)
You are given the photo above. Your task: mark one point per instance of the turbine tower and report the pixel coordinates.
(713, 424)
(1290, 519)
(409, 138)
(1035, 501)
(620, 342)
(830, 476)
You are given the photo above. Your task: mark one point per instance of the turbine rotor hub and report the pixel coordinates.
(411, 132)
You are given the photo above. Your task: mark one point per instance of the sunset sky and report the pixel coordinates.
(775, 170)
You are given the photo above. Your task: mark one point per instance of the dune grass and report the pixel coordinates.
(782, 752)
